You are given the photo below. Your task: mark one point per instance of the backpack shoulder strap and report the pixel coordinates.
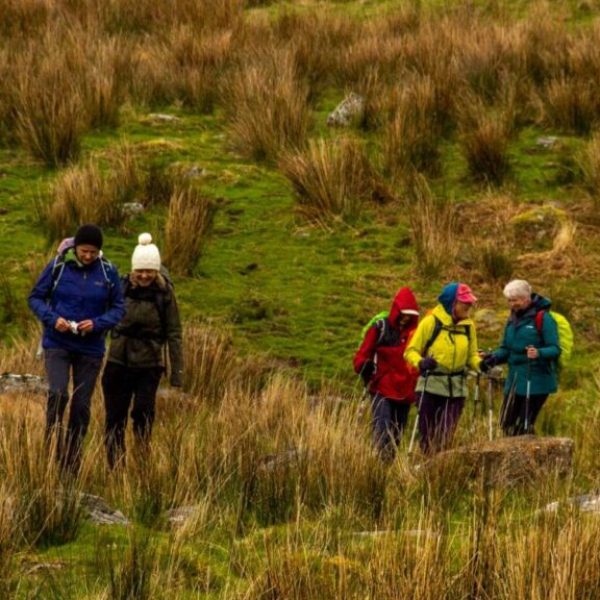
(106, 266)
(58, 266)
(437, 328)
(539, 323)
(381, 326)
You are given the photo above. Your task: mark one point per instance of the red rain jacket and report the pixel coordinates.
(394, 378)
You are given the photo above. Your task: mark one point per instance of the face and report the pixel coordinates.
(518, 303)
(145, 277)
(403, 320)
(86, 253)
(461, 310)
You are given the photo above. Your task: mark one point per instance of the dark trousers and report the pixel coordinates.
(438, 418)
(516, 408)
(389, 421)
(59, 364)
(121, 385)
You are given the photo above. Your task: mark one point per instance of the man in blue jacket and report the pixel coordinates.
(77, 298)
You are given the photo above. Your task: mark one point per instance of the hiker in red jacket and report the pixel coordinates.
(390, 379)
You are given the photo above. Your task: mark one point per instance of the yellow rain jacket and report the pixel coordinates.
(454, 349)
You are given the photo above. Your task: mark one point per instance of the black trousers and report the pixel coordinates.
(59, 364)
(121, 385)
(516, 410)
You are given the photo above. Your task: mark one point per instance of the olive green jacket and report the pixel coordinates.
(142, 336)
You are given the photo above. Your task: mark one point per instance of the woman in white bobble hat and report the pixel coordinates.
(135, 360)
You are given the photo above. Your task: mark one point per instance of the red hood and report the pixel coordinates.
(404, 300)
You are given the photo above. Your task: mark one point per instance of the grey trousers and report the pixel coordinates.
(59, 366)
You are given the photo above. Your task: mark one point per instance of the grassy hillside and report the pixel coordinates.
(476, 157)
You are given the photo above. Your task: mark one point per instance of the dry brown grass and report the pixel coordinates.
(331, 178)
(49, 108)
(433, 228)
(188, 220)
(589, 163)
(412, 138)
(267, 104)
(485, 136)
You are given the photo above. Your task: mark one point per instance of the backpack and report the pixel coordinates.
(565, 334)
(380, 319)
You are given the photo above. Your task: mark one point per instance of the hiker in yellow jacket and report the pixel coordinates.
(443, 347)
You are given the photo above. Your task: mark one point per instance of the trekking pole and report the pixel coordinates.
(476, 400)
(527, 394)
(416, 425)
(490, 409)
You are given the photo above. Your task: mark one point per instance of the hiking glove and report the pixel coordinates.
(367, 371)
(489, 361)
(427, 364)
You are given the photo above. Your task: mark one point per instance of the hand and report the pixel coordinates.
(367, 371)
(427, 364)
(85, 326)
(62, 325)
(66, 244)
(488, 361)
(532, 352)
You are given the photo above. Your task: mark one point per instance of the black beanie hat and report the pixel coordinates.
(89, 234)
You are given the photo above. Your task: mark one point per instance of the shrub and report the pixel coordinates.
(189, 218)
(331, 178)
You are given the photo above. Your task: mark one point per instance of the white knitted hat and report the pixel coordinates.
(146, 254)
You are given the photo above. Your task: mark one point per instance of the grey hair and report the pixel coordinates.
(517, 288)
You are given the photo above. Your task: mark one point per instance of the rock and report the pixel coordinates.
(270, 462)
(351, 108)
(536, 228)
(132, 209)
(489, 320)
(163, 118)
(33, 568)
(13, 383)
(508, 461)
(195, 172)
(547, 141)
(100, 513)
(179, 516)
(589, 503)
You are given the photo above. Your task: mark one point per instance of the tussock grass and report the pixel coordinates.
(413, 136)
(49, 109)
(589, 163)
(485, 137)
(433, 228)
(268, 106)
(571, 104)
(82, 194)
(331, 178)
(188, 220)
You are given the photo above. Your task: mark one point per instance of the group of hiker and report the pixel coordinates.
(79, 299)
(403, 361)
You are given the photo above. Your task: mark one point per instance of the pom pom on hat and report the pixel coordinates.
(146, 254)
(144, 239)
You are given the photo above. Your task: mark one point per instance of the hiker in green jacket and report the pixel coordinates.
(136, 361)
(531, 348)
